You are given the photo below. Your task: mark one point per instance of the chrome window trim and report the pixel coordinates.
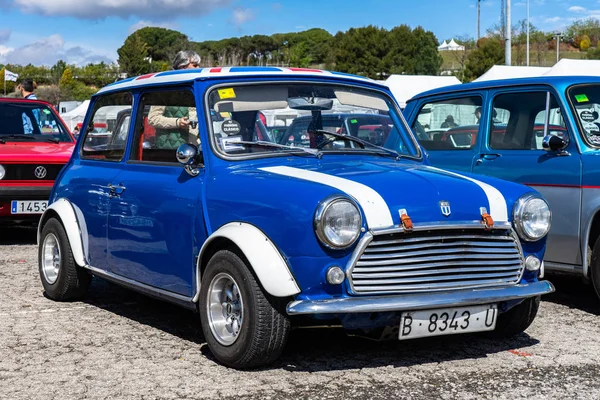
(315, 80)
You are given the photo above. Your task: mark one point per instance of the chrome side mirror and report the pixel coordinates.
(554, 143)
(187, 155)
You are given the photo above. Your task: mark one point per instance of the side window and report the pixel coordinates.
(101, 143)
(518, 121)
(165, 120)
(449, 124)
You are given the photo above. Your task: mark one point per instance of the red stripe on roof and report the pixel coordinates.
(305, 70)
(215, 70)
(145, 76)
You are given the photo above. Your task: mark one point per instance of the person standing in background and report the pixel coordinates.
(26, 87)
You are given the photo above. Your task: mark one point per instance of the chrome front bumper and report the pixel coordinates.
(419, 301)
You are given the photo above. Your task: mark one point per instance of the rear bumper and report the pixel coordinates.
(420, 301)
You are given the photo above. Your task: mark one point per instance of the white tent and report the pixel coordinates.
(73, 117)
(509, 72)
(575, 67)
(452, 46)
(404, 87)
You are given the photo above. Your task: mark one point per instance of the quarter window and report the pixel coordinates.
(165, 120)
(449, 124)
(102, 140)
(586, 101)
(518, 121)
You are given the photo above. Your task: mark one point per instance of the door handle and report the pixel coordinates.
(116, 190)
(487, 156)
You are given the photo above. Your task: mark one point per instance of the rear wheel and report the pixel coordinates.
(594, 264)
(517, 319)
(244, 327)
(61, 277)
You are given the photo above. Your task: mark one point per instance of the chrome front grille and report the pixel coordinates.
(436, 260)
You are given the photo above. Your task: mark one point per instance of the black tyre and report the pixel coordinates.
(243, 326)
(61, 277)
(517, 319)
(594, 264)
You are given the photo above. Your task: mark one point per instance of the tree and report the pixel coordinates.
(66, 80)
(593, 54)
(589, 27)
(489, 52)
(163, 44)
(57, 71)
(362, 51)
(584, 43)
(460, 56)
(133, 56)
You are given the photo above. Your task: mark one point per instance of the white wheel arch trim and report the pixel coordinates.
(67, 213)
(267, 262)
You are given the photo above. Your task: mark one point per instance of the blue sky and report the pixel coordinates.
(81, 31)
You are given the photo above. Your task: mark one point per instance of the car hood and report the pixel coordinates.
(39, 152)
(384, 188)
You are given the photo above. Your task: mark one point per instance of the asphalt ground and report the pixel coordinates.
(118, 344)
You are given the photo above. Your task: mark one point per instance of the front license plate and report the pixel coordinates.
(448, 321)
(28, 206)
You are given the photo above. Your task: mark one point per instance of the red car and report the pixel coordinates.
(34, 145)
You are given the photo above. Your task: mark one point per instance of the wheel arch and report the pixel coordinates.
(265, 260)
(63, 210)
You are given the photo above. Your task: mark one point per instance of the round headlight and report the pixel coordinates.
(337, 223)
(532, 218)
(2, 172)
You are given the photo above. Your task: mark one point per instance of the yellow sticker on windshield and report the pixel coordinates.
(581, 98)
(226, 93)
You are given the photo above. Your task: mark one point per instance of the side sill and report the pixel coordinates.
(147, 290)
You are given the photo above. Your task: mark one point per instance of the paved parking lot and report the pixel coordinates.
(118, 344)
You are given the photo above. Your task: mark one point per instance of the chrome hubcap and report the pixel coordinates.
(225, 309)
(50, 258)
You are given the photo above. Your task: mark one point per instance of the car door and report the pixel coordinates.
(448, 128)
(512, 150)
(87, 183)
(156, 212)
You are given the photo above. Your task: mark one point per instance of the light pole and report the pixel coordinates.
(558, 35)
(528, 33)
(508, 45)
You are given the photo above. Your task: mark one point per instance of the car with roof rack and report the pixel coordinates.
(34, 146)
(259, 237)
(543, 132)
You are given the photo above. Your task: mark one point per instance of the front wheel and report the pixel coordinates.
(244, 327)
(517, 319)
(61, 277)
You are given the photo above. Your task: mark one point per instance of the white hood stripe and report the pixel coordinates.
(377, 212)
(498, 209)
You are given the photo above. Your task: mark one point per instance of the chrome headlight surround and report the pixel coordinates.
(531, 210)
(2, 172)
(327, 233)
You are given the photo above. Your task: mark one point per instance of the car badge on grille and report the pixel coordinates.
(445, 207)
(40, 172)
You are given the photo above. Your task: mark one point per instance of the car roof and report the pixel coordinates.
(556, 81)
(188, 75)
(16, 100)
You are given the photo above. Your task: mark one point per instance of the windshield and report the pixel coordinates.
(586, 101)
(306, 115)
(30, 122)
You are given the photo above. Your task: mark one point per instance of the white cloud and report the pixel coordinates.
(553, 20)
(99, 9)
(144, 24)
(242, 15)
(577, 9)
(47, 51)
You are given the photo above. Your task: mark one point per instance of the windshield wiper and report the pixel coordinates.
(363, 143)
(53, 140)
(28, 137)
(263, 143)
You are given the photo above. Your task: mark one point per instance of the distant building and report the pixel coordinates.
(452, 46)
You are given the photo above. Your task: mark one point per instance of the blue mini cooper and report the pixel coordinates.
(260, 236)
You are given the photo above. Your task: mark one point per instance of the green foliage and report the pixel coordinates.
(489, 52)
(66, 80)
(593, 54)
(162, 43)
(133, 55)
(589, 27)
